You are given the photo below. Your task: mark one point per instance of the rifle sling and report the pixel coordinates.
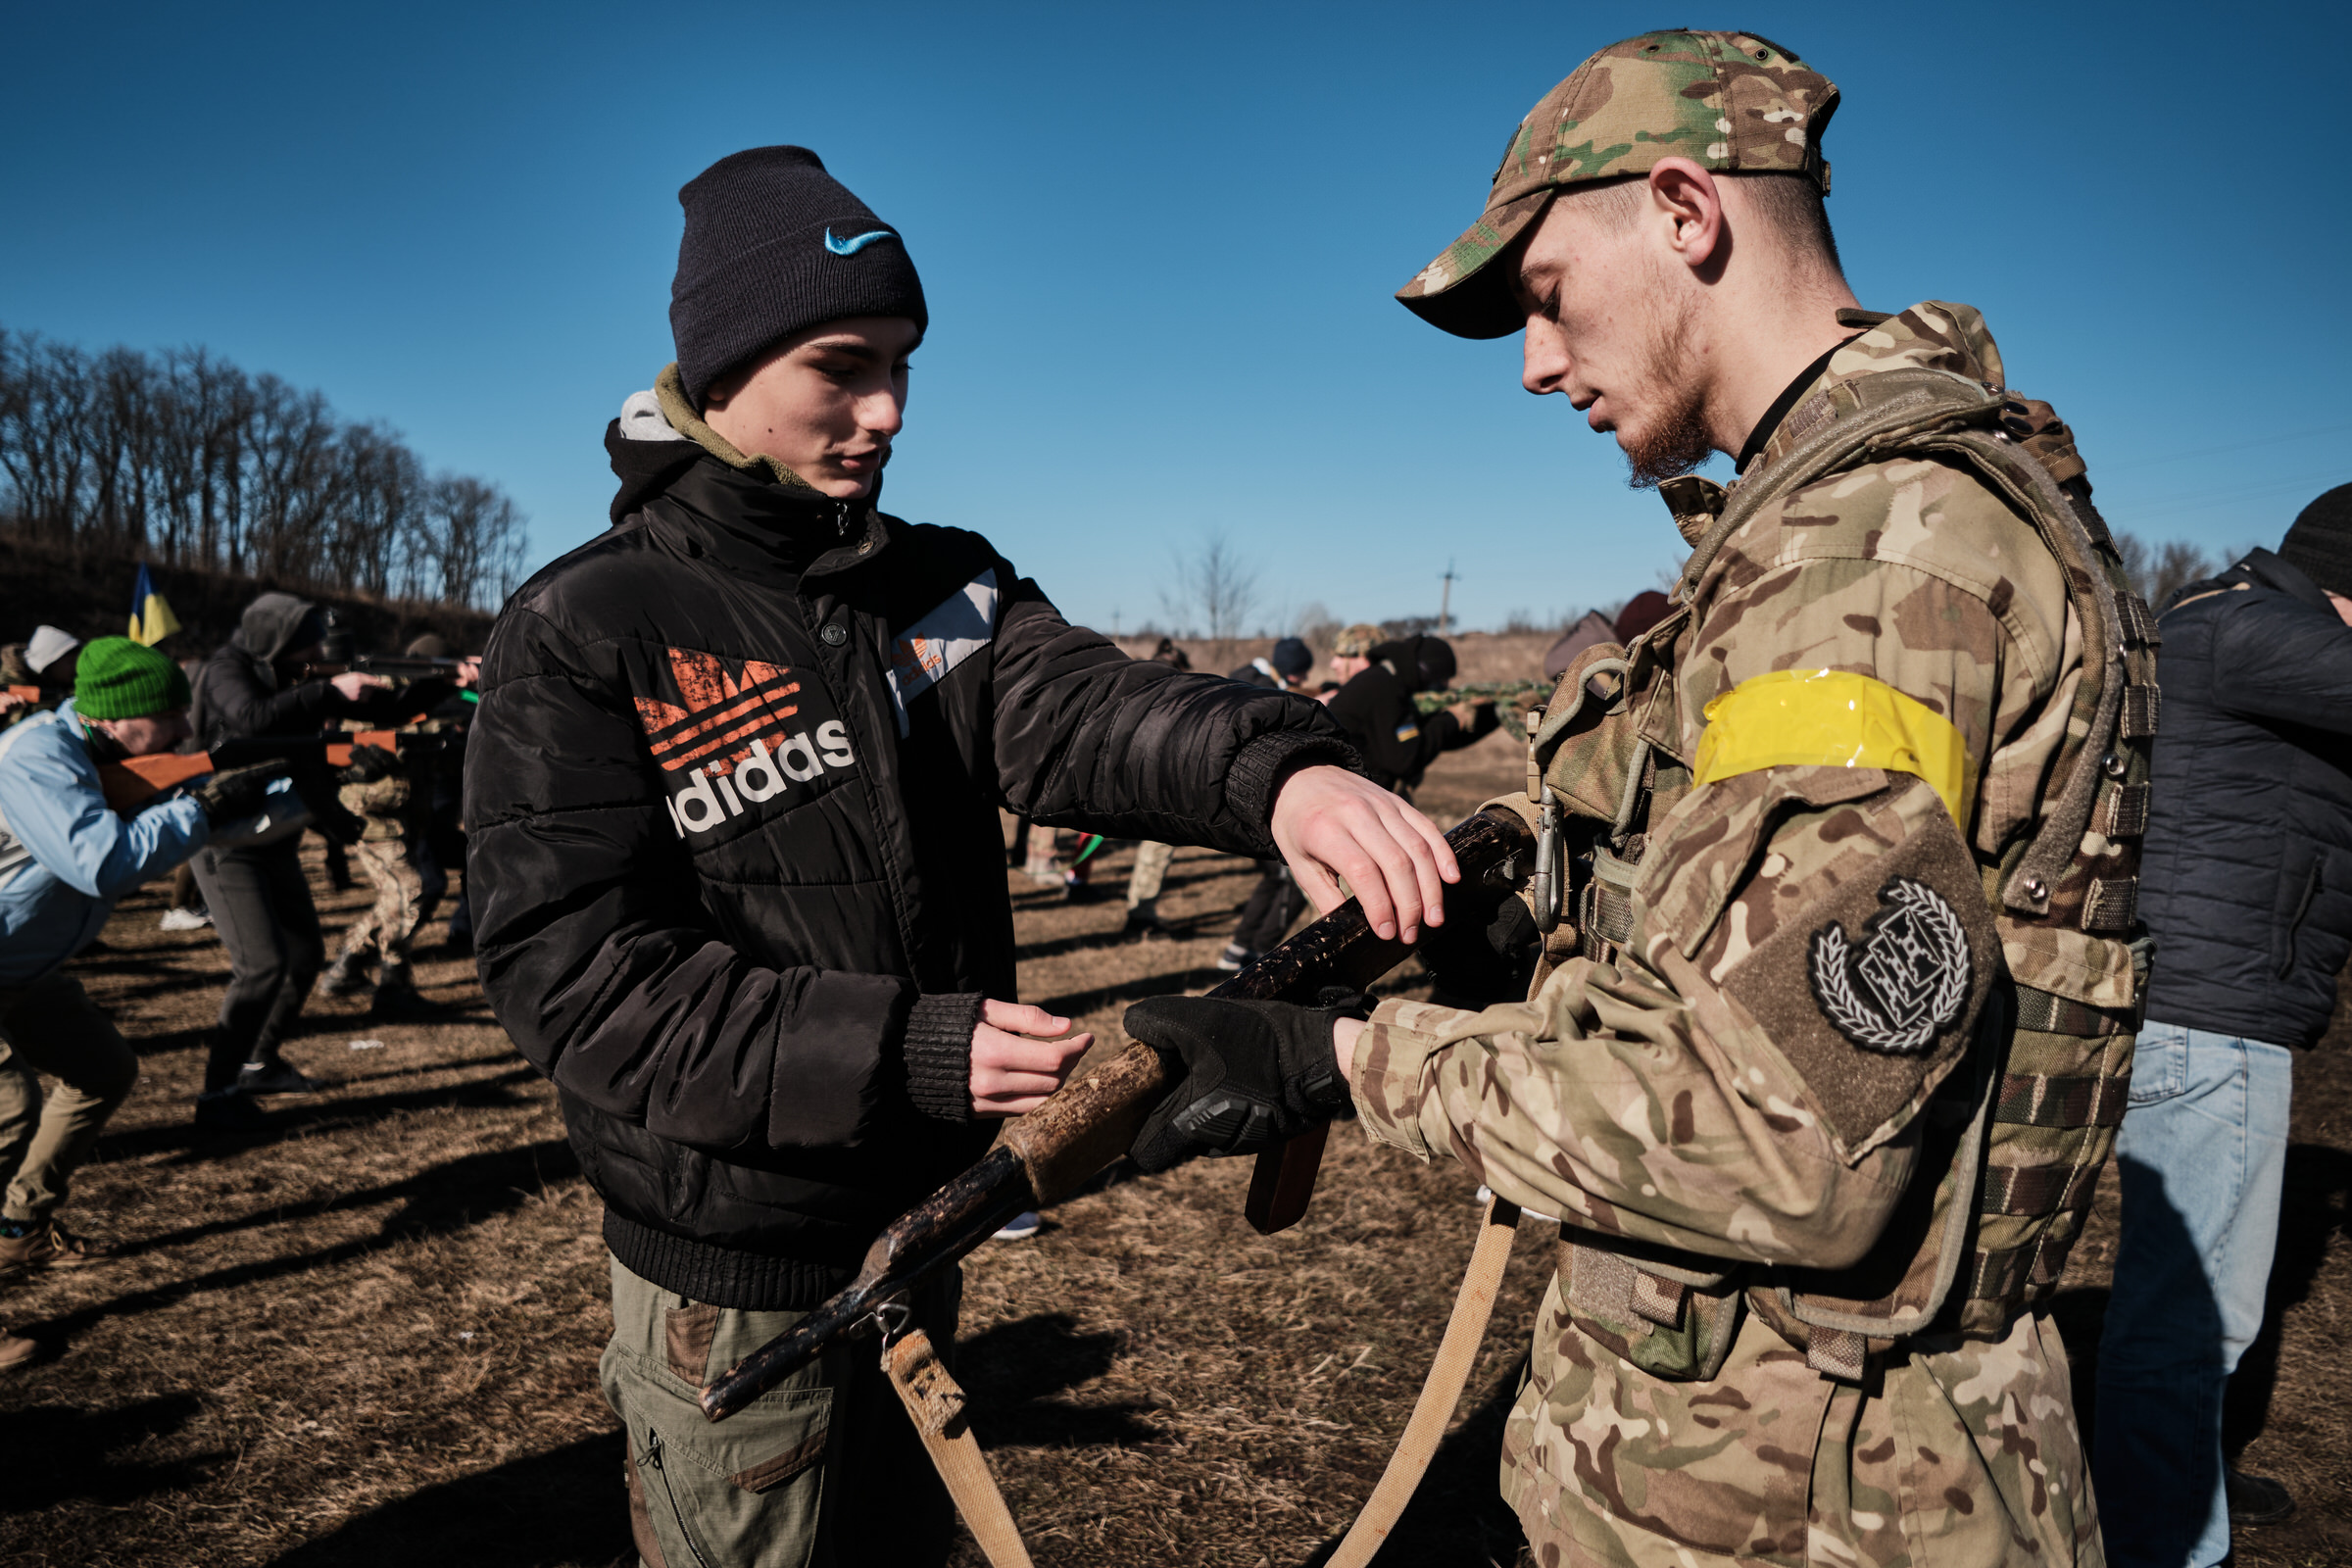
(937, 1407)
(935, 1404)
(1441, 1392)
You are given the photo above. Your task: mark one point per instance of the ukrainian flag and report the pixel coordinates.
(151, 617)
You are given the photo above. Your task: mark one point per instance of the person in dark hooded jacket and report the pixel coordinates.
(2245, 886)
(1396, 741)
(251, 690)
(732, 799)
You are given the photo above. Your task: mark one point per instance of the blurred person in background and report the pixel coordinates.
(2246, 889)
(1350, 657)
(45, 665)
(1640, 613)
(1395, 739)
(1277, 900)
(64, 857)
(256, 688)
(438, 849)
(183, 909)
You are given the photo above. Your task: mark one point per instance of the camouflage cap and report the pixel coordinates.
(1357, 641)
(1727, 101)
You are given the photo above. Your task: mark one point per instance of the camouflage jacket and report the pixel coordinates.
(1691, 1096)
(1703, 1093)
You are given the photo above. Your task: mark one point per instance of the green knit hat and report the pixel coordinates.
(119, 678)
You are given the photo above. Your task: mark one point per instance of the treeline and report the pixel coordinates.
(185, 459)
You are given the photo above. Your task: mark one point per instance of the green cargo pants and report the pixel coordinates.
(824, 1469)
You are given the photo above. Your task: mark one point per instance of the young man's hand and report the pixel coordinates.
(354, 685)
(1331, 823)
(1015, 1060)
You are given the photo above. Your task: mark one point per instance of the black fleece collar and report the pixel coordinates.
(749, 521)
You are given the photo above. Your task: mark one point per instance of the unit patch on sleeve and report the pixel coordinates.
(1873, 946)
(1906, 979)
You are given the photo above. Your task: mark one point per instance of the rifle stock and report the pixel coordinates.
(1088, 1123)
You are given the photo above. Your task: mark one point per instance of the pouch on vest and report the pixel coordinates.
(1649, 1304)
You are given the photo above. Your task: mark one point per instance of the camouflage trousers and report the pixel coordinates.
(1151, 870)
(1960, 1453)
(390, 922)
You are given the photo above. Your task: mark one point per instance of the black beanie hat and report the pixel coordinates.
(2319, 544)
(775, 244)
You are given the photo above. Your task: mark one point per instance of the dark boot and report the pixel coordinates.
(346, 975)
(227, 1110)
(277, 1076)
(1144, 925)
(397, 1001)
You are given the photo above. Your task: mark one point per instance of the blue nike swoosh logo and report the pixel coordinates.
(851, 247)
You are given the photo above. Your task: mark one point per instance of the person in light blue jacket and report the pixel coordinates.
(65, 858)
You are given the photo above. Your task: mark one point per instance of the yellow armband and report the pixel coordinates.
(1829, 718)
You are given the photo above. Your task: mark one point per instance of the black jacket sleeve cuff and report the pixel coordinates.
(937, 1049)
(1258, 767)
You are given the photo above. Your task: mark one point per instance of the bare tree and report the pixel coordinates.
(2157, 573)
(1212, 593)
(187, 459)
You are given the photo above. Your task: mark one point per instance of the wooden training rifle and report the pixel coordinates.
(1088, 1124)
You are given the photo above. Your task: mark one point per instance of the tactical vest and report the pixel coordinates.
(2014, 1140)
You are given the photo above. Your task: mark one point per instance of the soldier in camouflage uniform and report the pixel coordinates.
(1824, 1046)
(382, 790)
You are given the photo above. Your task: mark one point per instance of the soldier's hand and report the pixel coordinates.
(1331, 823)
(1017, 1061)
(1250, 1074)
(238, 792)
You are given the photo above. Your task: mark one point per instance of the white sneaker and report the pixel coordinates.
(1021, 1227)
(184, 920)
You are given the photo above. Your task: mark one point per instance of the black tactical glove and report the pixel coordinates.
(240, 791)
(368, 765)
(1254, 1073)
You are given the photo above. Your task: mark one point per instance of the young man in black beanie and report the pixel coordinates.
(2246, 886)
(736, 869)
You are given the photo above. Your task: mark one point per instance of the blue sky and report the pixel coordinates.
(1159, 245)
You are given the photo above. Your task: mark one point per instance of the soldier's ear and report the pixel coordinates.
(1688, 200)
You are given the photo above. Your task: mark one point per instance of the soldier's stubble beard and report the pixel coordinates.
(1674, 439)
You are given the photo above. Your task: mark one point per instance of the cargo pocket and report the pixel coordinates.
(744, 1491)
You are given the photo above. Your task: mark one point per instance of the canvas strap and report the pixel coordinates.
(1442, 1393)
(935, 1404)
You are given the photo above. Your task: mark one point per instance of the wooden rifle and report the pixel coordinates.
(1088, 1125)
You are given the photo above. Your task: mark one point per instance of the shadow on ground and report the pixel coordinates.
(1014, 1371)
(562, 1509)
(56, 1453)
(1457, 1518)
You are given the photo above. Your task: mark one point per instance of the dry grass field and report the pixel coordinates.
(367, 1334)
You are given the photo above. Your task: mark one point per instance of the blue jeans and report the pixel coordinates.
(2201, 1154)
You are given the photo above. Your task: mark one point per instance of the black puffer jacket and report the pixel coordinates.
(735, 861)
(2246, 878)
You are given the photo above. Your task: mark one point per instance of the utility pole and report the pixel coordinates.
(1446, 602)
